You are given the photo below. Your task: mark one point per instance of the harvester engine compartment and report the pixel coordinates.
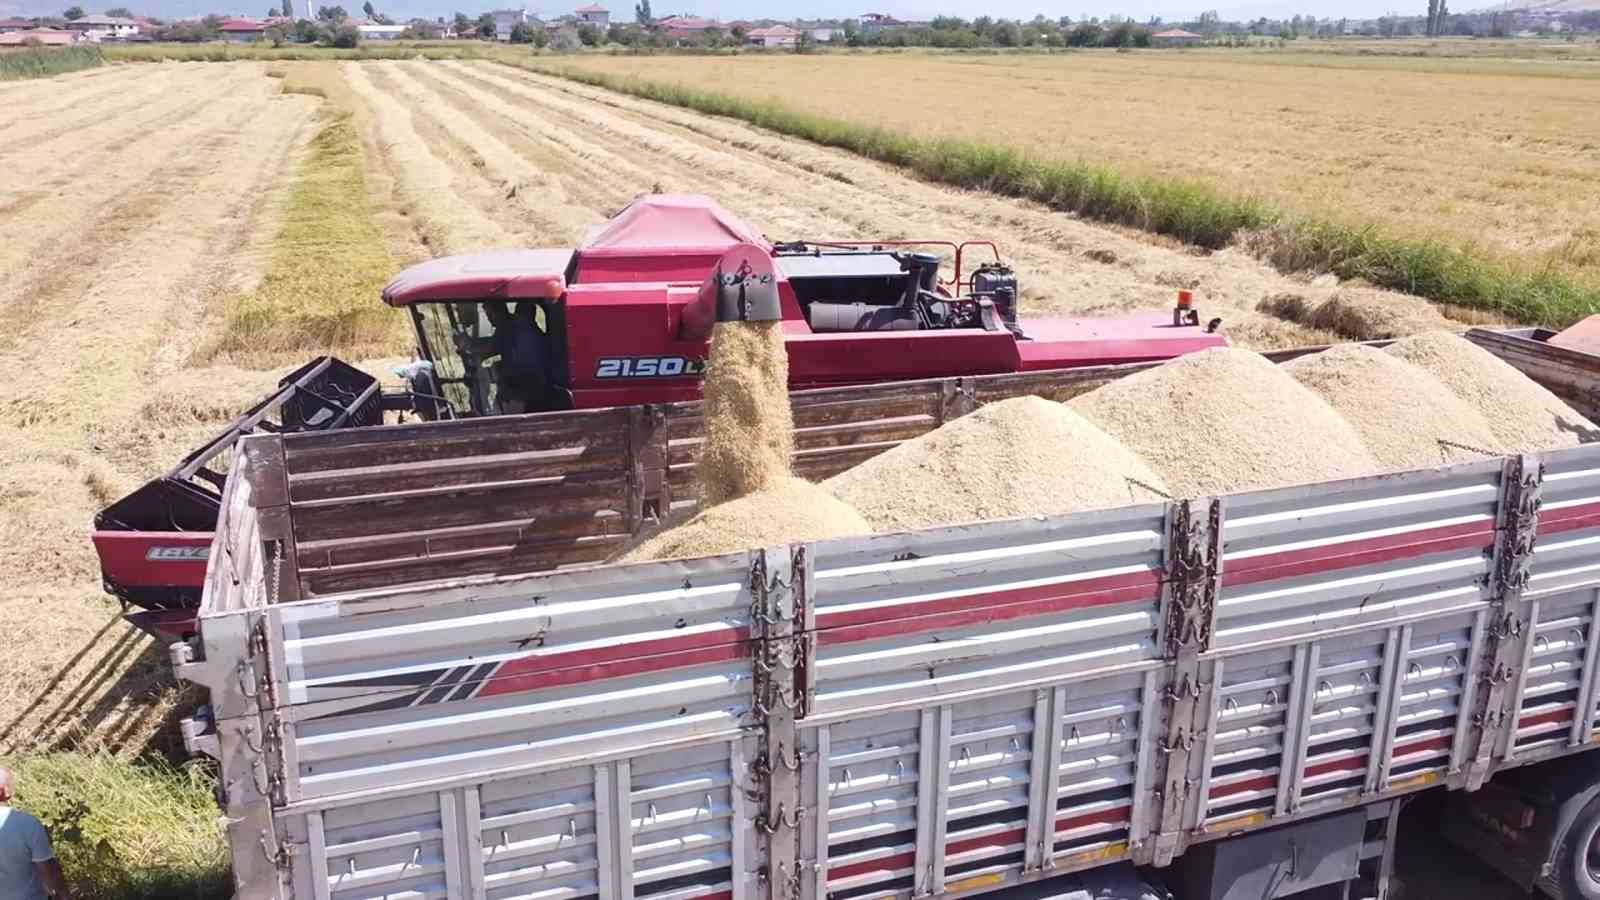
(885, 290)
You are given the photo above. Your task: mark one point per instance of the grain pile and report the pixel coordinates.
(1020, 457)
(1406, 418)
(1523, 416)
(789, 509)
(1227, 420)
(749, 430)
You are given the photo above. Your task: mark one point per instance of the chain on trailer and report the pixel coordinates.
(1188, 613)
(1510, 623)
(782, 659)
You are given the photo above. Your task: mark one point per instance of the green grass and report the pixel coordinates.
(329, 260)
(1191, 212)
(42, 62)
(127, 830)
(216, 52)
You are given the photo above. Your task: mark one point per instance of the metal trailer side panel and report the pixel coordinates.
(966, 707)
(404, 687)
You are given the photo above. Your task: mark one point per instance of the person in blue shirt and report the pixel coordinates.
(520, 344)
(28, 867)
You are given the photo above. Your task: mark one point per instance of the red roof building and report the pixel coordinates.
(242, 31)
(593, 14)
(1175, 37)
(15, 25)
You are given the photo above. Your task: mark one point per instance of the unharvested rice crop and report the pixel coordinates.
(788, 509)
(1406, 417)
(1356, 314)
(126, 830)
(1020, 457)
(1295, 129)
(1522, 415)
(1227, 420)
(749, 434)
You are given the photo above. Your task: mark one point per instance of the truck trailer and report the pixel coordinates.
(426, 681)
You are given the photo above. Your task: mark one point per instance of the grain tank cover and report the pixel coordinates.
(670, 225)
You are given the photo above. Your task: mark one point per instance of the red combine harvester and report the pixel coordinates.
(624, 319)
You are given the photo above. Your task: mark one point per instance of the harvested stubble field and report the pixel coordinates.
(135, 321)
(1494, 154)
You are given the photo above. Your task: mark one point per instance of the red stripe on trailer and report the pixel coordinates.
(1438, 743)
(1314, 560)
(1243, 787)
(972, 609)
(1573, 518)
(1000, 838)
(885, 864)
(1117, 815)
(1555, 715)
(1114, 816)
(1344, 764)
(576, 667)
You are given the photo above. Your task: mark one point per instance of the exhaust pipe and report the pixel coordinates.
(742, 288)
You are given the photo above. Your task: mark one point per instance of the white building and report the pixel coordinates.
(101, 28)
(507, 19)
(373, 32)
(593, 14)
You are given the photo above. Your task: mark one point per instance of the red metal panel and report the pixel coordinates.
(1016, 603)
(577, 667)
(1571, 518)
(153, 558)
(1348, 554)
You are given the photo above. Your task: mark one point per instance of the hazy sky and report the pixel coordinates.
(1170, 10)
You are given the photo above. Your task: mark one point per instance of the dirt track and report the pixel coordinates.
(135, 199)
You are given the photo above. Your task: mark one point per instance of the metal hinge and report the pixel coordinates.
(1519, 526)
(281, 855)
(1193, 566)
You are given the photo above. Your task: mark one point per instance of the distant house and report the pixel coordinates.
(103, 28)
(593, 14)
(1175, 37)
(683, 29)
(242, 31)
(9, 25)
(822, 34)
(40, 37)
(563, 35)
(375, 31)
(775, 36)
(507, 19)
(874, 23)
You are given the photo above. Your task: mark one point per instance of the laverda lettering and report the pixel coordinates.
(177, 554)
(649, 367)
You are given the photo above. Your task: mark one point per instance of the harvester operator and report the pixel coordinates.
(520, 343)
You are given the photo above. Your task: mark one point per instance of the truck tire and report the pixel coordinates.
(1577, 869)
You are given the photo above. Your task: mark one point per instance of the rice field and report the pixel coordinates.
(260, 206)
(1496, 155)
